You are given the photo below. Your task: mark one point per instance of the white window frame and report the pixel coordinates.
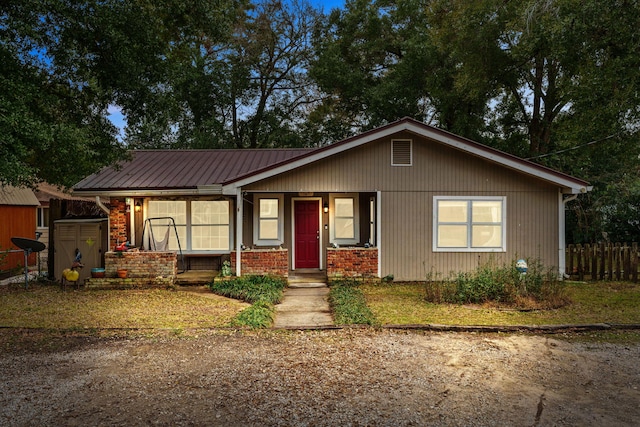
(191, 226)
(187, 245)
(410, 141)
(256, 220)
(40, 216)
(469, 223)
(356, 218)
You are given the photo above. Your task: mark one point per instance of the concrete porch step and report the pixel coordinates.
(310, 277)
(195, 277)
(305, 303)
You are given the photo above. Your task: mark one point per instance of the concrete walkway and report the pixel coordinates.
(305, 305)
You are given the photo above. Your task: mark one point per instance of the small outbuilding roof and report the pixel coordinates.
(17, 196)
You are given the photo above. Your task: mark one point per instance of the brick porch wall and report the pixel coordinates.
(263, 261)
(117, 222)
(352, 262)
(144, 270)
(142, 264)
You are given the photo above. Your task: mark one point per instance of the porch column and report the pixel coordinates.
(239, 216)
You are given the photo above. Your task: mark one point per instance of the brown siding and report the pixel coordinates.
(368, 168)
(532, 232)
(407, 202)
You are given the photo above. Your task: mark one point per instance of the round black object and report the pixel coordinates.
(28, 244)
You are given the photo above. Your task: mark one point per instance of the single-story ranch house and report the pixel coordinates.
(404, 199)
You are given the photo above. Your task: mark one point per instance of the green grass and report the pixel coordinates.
(349, 304)
(46, 306)
(593, 302)
(261, 291)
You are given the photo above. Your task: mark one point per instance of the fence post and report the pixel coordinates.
(580, 251)
(594, 262)
(570, 260)
(626, 262)
(610, 261)
(587, 259)
(616, 255)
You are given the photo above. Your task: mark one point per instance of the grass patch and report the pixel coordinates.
(46, 306)
(263, 292)
(349, 304)
(259, 315)
(593, 302)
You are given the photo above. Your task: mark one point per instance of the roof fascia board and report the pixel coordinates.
(141, 193)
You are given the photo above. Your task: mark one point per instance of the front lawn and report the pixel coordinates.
(592, 302)
(46, 306)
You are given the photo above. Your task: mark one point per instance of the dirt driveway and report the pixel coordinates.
(348, 377)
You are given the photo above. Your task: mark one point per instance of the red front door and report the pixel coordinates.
(307, 234)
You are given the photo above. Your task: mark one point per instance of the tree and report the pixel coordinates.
(269, 56)
(244, 87)
(380, 61)
(51, 128)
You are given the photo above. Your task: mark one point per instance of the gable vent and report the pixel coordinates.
(401, 152)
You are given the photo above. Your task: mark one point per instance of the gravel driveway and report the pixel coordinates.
(345, 377)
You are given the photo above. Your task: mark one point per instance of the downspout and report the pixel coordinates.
(102, 206)
(239, 216)
(562, 264)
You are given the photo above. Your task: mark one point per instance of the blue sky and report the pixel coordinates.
(118, 119)
(328, 4)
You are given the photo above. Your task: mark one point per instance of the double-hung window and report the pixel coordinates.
(42, 217)
(469, 224)
(344, 219)
(268, 219)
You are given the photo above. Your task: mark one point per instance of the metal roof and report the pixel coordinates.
(217, 171)
(16, 196)
(182, 169)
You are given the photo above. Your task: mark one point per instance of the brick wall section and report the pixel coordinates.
(263, 261)
(142, 264)
(352, 262)
(117, 222)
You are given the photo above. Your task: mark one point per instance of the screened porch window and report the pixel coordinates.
(210, 225)
(469, 224)
(162, 229)
(202, 225)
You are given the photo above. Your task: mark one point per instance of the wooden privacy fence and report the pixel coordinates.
(603, 261)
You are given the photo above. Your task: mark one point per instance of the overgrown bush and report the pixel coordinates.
(349, 304)
(261, 291)
(500, 284)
